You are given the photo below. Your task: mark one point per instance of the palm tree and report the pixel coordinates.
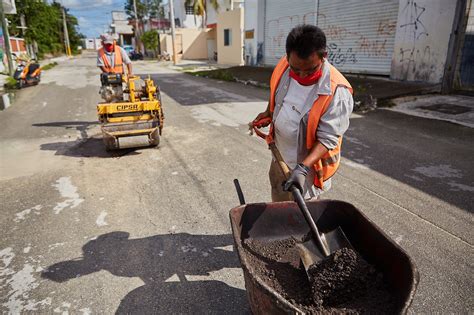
(200, 8)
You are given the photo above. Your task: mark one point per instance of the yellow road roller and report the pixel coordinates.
(131, 114)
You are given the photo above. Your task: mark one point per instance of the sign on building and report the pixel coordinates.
(119, 16)
(9, 6)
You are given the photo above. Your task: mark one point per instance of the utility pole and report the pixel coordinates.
(137, 40)
(22, 24)
(29, 47)
(173, 33)
(66, 35)
(6, 38)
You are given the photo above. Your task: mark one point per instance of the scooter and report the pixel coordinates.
(135, 55)
(27, 73)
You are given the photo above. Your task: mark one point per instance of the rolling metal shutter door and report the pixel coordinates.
(360, 34)
(280, 17)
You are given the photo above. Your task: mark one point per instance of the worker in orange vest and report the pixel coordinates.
(308, 113)
(111, 57)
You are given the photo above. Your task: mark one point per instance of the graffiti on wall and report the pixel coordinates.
(415, 58)
(345, 46)
(339, 57)
(414, 12)
(416, 63)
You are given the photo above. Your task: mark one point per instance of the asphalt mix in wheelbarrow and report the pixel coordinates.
(343, 282)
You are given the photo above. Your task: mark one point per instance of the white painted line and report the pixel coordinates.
(69, 191)
(101, 219)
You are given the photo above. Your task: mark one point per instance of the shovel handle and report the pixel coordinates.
(309, 219)
(279, 159)
(299, 200)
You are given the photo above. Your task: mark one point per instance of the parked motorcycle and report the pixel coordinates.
(135, 55)
(27, 73)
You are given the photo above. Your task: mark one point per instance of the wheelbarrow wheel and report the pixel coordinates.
(155, 138)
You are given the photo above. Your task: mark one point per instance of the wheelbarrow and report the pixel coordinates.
(283, 220)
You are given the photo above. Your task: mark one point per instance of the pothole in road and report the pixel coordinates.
(450, 109)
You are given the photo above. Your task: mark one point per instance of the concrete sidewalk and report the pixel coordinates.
(458, 109)
(370, 92)
(7, 96)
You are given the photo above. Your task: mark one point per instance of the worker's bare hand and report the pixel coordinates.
(260, 119)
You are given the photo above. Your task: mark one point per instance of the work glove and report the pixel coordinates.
(297, 178)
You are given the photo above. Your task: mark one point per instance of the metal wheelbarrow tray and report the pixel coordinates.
(282, 220)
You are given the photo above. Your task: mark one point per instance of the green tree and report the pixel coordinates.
(145, 8)
(44, 26)
(151, 41)
(200, 8)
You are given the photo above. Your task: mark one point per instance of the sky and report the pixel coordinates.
(93, 15)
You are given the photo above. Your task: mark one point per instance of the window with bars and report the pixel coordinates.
(189, 9)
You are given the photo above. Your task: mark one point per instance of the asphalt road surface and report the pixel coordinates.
(144, 231)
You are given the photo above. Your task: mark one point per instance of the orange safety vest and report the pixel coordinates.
(118, 62)
(327, 166)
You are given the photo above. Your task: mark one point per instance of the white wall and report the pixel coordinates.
(224, 5)
(251, 24)
(422, 37)
(187, 21)
(88, 43)
(232, 54)
(254, 20)
(91, 43)
(192, 21)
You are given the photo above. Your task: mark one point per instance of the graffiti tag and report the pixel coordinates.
(413, 12)
(337, 56)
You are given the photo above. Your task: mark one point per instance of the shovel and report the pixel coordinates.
(319, 246)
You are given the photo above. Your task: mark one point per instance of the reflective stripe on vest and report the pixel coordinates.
(118, 62)
(327, 166)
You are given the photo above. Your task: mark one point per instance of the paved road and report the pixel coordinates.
(147, 231)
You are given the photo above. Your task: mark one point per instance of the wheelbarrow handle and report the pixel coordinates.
(240, 194)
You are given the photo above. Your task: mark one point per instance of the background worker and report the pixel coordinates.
(310, 104)
(111, 57)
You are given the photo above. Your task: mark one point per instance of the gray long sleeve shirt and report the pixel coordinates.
(335, 120)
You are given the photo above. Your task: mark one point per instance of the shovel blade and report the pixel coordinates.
(311, 254)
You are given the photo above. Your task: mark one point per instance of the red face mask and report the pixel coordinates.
(309, 79)
(109, 47)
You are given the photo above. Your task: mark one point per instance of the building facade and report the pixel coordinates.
(121, 28)
(91, 43)
(217, 37)
(402, 39)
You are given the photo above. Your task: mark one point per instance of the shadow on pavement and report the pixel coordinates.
(432, 156)
(86, 146)
(155, 259)
(81, 126)
(188, 90)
